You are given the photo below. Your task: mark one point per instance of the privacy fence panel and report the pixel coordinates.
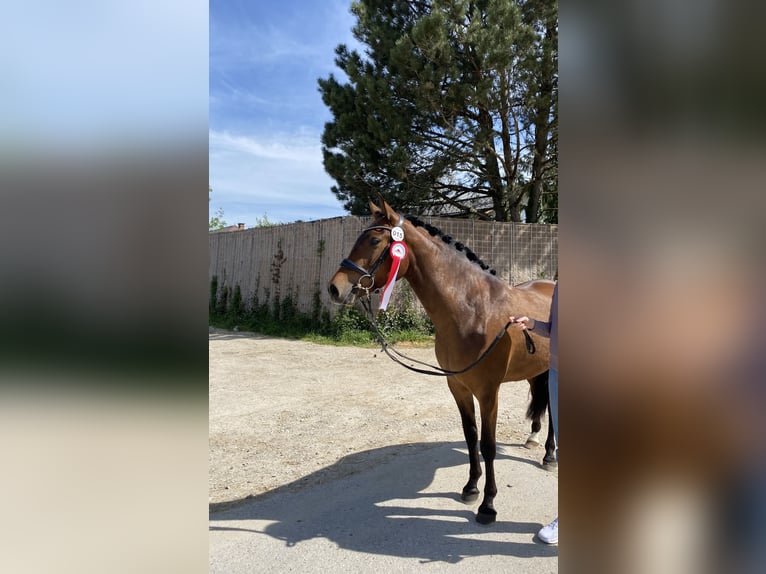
(270, 264)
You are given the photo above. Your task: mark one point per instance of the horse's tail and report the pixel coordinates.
(539, 401)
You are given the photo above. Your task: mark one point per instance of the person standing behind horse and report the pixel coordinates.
(550, 329)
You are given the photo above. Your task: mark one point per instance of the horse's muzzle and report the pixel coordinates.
(334, 293)
(341, 291)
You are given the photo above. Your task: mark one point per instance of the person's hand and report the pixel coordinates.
(521, 323)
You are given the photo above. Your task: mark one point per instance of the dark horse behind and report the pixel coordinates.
(469, 306)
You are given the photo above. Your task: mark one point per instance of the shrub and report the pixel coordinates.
(282, 318)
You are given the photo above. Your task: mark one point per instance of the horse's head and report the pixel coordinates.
(366, 267)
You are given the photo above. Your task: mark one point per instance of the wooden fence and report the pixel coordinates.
(298, 259)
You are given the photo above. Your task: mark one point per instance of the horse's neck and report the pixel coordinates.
(435, 278)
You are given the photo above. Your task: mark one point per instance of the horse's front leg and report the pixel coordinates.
(464, 399)
(488, 408)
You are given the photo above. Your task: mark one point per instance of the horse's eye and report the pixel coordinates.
(374, 241)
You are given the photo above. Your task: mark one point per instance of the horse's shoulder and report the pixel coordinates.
(542, 286)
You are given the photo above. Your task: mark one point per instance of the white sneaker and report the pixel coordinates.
(550, 534)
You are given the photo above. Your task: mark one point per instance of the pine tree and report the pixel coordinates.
(452, 108)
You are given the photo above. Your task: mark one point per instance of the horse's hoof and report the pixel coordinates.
(486, 517)
(550, 464)
(469, 496)
(533, 440)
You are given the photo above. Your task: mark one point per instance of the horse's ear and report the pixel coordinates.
(391, 214)
(375, 210)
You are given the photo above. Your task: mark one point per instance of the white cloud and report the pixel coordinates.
(280, 175)
(291, 148)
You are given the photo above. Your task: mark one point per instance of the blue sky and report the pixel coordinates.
(266, 113)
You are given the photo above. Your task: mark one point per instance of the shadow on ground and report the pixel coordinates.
(388, 501)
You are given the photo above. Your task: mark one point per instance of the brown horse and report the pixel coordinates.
(468, 307)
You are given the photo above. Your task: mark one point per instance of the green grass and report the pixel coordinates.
(324, 335)
(349, 327)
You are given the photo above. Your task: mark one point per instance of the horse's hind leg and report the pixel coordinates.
(533, 439)
(464, 399)
(538, 404)
(550, 461)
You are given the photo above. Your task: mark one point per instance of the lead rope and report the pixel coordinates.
(437, 371)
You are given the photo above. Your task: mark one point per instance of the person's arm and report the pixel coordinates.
(542, 328)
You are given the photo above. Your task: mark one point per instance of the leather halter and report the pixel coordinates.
(364, 273)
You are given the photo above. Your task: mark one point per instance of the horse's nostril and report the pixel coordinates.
(333, 291)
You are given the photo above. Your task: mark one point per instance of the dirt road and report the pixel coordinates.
(335, 458)
(281, 410)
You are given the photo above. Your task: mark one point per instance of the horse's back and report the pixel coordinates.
(541, 286)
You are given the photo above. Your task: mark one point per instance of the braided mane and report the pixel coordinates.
(436, 232)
